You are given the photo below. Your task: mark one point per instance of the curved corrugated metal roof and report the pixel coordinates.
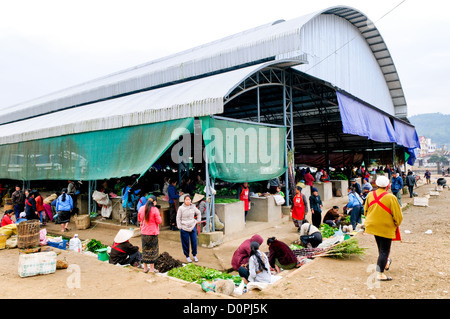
(379, 49)
(268, 42)
(194, 98)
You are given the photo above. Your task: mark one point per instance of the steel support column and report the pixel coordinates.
(210, 209)
(92, 185)
(288, 123)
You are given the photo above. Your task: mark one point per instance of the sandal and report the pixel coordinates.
(385, 279)
(155, 271)
(388, 265)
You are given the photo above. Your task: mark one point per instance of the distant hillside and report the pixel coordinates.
(433, 125)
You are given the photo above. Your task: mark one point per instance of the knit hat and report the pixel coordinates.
(313, 189)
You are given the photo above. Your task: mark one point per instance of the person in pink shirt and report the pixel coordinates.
(149, 219)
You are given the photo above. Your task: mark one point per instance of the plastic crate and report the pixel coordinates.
(60, 245)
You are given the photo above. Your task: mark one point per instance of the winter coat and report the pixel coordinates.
(242, 254)
(187, 217)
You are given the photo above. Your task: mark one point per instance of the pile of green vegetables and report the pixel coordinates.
(200, 190)
(219, 200)
(347, 248)
(226, 192)
(295, 246)
(326, 230)
(198, 274)
(338, 176)
(94, 244)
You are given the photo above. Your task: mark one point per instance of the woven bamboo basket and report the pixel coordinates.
(82, 221)
(28, 234)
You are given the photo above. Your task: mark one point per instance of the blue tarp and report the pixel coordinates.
(406, 135)
(412, 156)
(362, 120)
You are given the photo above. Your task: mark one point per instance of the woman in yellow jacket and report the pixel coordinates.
(383, 217)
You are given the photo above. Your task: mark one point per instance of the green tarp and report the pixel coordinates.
(93, 155)
(242, 152)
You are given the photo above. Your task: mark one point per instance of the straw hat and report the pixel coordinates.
(123, 235)
(382, 181)
(197, 198)
(302, 185)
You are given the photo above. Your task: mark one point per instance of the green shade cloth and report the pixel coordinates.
(241, 152)
(93, 155)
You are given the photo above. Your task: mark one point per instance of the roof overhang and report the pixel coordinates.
(201, 97)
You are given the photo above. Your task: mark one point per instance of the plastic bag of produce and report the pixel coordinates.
(279, 200)
(208, 286)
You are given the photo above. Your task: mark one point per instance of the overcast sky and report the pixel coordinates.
(48, 45)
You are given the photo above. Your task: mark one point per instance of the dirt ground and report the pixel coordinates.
(420, 267)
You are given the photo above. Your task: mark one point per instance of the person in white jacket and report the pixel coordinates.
(258, 265)
(187, 218)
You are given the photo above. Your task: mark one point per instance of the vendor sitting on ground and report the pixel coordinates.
(258, 265)
(332, 217)
(310, 235)
(22, 217)
(123, 252)
(281, 256)
(6, 220)
(239, 262)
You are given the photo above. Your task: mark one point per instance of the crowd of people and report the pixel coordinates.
(31, 205)
(382, 210)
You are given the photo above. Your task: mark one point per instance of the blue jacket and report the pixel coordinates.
(142, 201)
(173, 193)
(396, 184)
(354, 200)
(67, 205)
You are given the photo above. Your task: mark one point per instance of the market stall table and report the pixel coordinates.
(264, 209)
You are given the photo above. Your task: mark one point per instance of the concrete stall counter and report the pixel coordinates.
(341, 185)
(325, 190)
(264, 209)
(232, 215)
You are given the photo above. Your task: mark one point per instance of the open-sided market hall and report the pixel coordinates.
(253, 107)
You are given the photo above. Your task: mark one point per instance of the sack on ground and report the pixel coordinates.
(37, 264)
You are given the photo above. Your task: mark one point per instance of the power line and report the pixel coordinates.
(345, 44)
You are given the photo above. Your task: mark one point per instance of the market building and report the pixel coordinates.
(322, 87)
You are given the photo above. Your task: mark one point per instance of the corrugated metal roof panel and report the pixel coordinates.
(251, 46)
(189, 99)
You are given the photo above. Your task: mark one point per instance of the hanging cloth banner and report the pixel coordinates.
(406, 135)
(93, 155)
(362, 120)
(242, 152)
